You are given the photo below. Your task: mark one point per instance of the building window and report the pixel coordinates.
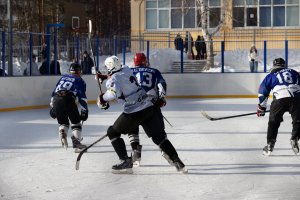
(265, 13)
(214, 13)
(75, 22)
(179, 14)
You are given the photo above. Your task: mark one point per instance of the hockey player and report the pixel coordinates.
(286, 98)
(138, 110)
(69, 89)
(155, 85)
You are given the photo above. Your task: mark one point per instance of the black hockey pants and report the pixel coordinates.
(150, 119)
(277, 110)
(65, 109)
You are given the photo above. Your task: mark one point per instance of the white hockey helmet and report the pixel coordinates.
(112, 64)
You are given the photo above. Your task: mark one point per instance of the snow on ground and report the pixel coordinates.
(224, 158)
(162, 59)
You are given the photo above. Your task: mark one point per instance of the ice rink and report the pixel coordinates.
(224, 158)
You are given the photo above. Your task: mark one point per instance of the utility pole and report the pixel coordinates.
(9, 19)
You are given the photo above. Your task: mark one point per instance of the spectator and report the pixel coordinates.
(87, 63)
(44, 51)
(44, 71)
(178, 42)
(252, 57)
(34, 67)
(186, 45)
(200, 48)
(2, 72)
(52, 67)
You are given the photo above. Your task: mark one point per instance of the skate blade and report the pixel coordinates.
(136, 163)
(76, 150)
(183, 171)
(64, 143)
(295, 150)
(267, 153)
(122, 171)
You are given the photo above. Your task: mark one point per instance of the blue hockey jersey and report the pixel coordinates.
(74, 84)
(151, 80)
(284, 83)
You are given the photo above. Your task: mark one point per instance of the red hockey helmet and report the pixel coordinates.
(140, 60)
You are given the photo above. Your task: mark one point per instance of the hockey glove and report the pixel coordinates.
(102, 103)
(84, 115)
(52, 113)
(100, 76)
(161, 102)
(260, 111)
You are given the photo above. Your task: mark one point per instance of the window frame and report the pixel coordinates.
(259, 6)
(183, 8)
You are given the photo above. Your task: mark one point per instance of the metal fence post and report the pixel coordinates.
(148, 49)
(265, 56)
(97, 54)
(181, 56)
(77, 48)
(55, 52)
(30, 53)
(222, 55)
(169, 38)
(3, 53)
(124, 50)
(287, 53)
(115, 46)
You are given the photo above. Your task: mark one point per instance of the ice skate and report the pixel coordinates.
(77, 146)
(136, 156)
(267, 150)
(180, 167)
(64, 141)
(167, 158)
(124, 167)
(295, 145)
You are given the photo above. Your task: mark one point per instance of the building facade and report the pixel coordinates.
(253, 20)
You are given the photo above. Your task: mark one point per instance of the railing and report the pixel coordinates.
(227, 53)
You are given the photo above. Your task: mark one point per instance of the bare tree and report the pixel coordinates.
(207, 32)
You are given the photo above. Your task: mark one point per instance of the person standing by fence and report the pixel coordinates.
(178, 42)
(252, 57)
(200, 48)
(87, 63)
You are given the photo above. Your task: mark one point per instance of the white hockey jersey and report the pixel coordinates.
(123, 87)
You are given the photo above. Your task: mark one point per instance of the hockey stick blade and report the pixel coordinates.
(206, 115)
(85, 150)
(227, 117)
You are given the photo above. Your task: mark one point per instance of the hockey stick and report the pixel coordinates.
(90, 42)
(227, 117)
(167, 121)
(99, 85)
(85, 150)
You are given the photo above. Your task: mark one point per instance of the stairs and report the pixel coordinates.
(189, 66)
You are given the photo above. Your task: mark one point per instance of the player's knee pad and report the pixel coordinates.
(76, 130)
(112, 134)
(63, 129)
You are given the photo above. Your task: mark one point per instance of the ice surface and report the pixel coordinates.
(224, 158)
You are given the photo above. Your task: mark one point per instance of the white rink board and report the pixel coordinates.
(36, 91)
